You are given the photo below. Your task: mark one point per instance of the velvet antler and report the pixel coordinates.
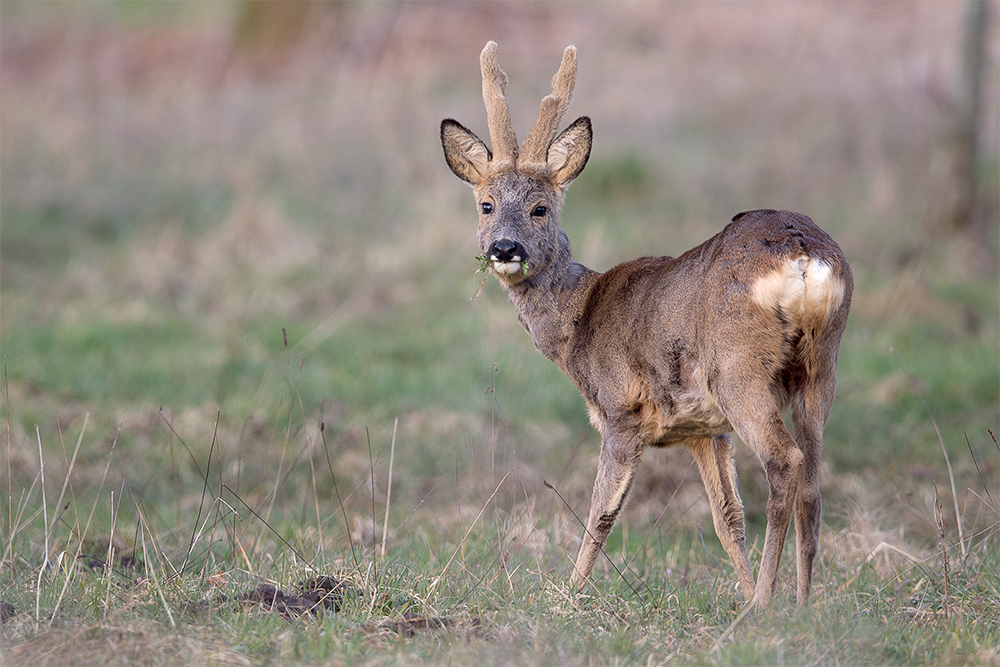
(497, 111)
(553, 108)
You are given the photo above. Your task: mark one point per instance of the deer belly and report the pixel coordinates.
(685, 420)
(672, 418)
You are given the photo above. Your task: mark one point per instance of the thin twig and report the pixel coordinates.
(938, 510)
(100, 487)
(65, 554)
(109, 559)
(16, 525)
(69, 472)
(276, 533)
(462, 543)
(388, 491)
(340, 501)
(947, 459)
(152, 567)
(992, 503)
(204, 491)
(10, 457)
(309, 437)
(45, 510)
(6, 391)
(45, 517)
(422, 500)
(312, 475)
(371, 471)
(605, 553)
(732, 626)
(281, 462)
(194, 459)
(480, 290)
(69, 568)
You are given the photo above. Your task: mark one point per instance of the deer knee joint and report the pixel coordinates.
(605, 523)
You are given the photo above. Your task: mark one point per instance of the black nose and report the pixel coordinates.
(507, 251)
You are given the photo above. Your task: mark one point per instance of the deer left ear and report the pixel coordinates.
(569, 152)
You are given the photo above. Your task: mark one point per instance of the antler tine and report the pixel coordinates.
(497, 110)
(552, 110)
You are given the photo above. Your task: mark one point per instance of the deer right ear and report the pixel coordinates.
(465, 153)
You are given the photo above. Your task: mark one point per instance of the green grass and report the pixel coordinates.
(522, 614)
(229, 294)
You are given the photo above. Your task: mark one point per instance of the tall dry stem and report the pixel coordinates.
(944, 450)
(10, 456)
(939, 516)
(388, 491)
(152, 567)
(461, 544)
(45, 510)
(69, 472)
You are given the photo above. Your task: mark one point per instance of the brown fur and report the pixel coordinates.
(669, 350)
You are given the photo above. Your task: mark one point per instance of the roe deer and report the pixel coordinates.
(668, 350)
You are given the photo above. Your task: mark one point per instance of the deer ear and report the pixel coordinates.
(465, 153)
(569, 152)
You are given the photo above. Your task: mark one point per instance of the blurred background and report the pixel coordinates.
(223, 224)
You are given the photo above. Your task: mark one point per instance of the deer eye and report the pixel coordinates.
(487, 207)
(539, 211)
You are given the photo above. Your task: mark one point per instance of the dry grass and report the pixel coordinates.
(213, 251)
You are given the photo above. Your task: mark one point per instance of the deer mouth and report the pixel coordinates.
(511, 269)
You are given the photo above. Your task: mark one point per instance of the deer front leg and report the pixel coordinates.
(619, 458)
(718, 473)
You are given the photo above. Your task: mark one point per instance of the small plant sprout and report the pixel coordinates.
(484, 267)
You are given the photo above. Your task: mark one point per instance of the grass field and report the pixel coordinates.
(240, 354)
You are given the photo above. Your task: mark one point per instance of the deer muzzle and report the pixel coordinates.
(508, 257)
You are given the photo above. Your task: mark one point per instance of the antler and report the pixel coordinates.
(497, 111)
(552, 110)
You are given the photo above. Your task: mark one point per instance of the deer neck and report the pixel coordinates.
(550, 303)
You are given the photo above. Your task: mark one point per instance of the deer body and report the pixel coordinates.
(669, 350)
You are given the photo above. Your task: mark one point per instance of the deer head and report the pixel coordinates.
(519, 193)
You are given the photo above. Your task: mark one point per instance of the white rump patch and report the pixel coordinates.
(805, 289)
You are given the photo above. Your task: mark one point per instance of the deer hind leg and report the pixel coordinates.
(615, 470)
(807, 504)
(752, 411)
(810, 409)
(718, 472)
